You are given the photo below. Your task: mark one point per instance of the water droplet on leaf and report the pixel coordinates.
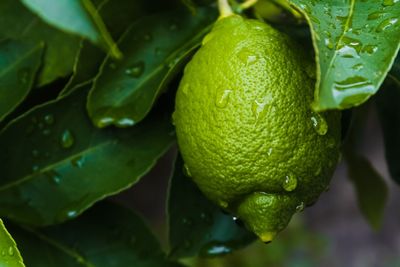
(136, 70)
(300, 207)
(67, 139)
(49, 119)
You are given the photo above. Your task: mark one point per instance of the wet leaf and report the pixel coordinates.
(55, 163)
(356, 43)
(197, 226)
(78, 17)
(19, 63)
(371, 189)
(154, 47)
(16, 22)
(105, 236)
(118, 16)
(9, 254)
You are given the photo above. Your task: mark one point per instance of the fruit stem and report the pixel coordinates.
(247, 4)
(225, 9)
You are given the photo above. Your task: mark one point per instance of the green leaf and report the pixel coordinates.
(154, 48)
(371, 189)
(9, 254)
(19, 63)
(16, 22)
(118, 16)
(356, 43)
(107, 235)
(78, 17)
(197, 226)
(55, 163)
(387, 102)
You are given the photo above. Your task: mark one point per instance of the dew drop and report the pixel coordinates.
(72, 214)
(67, 139)
(11, 251)
(370, 49)
(300, 207)
(78, 162)
(215, 249)
(223, 98)
(136, 70)
(49, 119)
(354, 82)
(247, 57)
(386, 24)
(319, 123)
(328, 43)
(289, 183)
(359, 66)
(223, 204)
(125, 122)
(54, 176)
(185, 88)
(387, 3)
(258, 108)
(375, 15)
(186, 171)
(269, 152)
(104, 121)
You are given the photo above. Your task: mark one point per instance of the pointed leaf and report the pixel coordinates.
(9, 254)
(79, 17)
(107, 235)
(197, 226)
(118, 16)
(55, 163)
(387, 102)
(125, 91)
(16, 22)
(371, 189)
(356, 43)
(19, 63)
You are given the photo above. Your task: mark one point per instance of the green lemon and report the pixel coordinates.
(245, 126)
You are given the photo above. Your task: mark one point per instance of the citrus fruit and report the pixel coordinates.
(245, 127)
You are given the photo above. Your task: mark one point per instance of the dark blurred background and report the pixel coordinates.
(332, 233)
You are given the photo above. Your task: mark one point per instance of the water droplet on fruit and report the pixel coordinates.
(300, 207)
(370, 49)
(10, 251)
(319, 123)
(269, 152)
(136, 70)
(186, 171)
(67, 139)
(223, 98)
(289, 183)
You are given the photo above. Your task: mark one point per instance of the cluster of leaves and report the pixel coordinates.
(87, 90)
